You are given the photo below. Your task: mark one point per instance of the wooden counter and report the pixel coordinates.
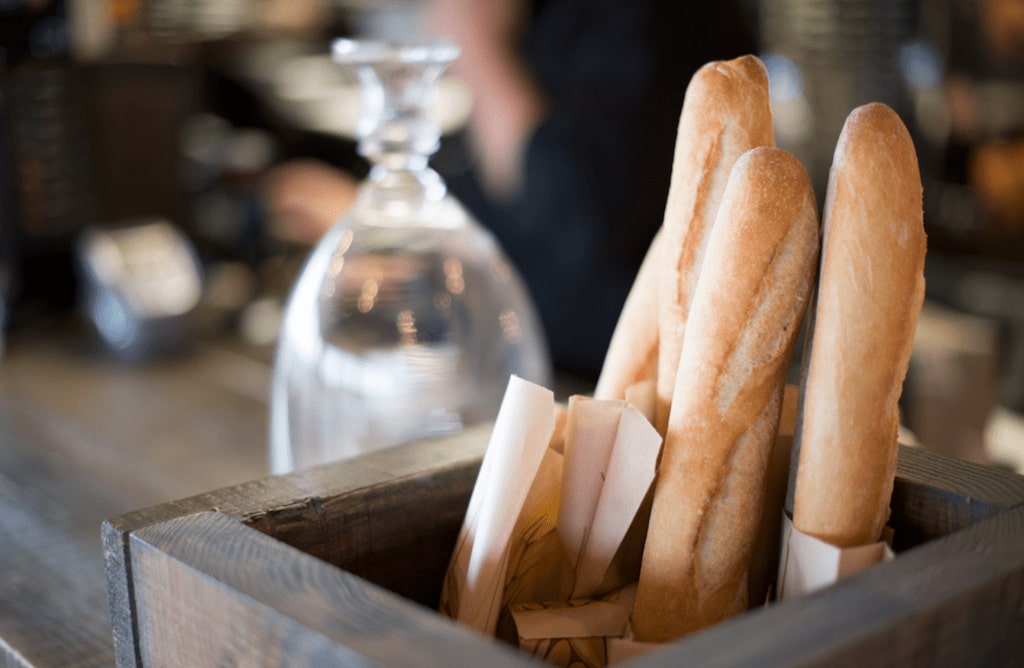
(84, 437)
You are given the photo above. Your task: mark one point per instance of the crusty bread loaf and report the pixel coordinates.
(632, 355)
(869, 297)
(747, 309)
(726, 111)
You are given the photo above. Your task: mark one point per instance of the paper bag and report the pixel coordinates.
(573, 633)
(807, 564)
(474, 584)
(610, 461)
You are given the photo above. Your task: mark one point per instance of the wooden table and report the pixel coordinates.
(84, 437)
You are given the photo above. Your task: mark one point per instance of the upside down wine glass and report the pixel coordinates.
(407, 319)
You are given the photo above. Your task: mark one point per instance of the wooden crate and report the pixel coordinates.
(342, 565)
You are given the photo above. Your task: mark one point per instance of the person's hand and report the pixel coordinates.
(305, 197)
(507, 103)
(478, 25)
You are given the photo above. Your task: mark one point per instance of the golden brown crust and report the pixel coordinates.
(869, 297)
(746, 311)
(726, 111)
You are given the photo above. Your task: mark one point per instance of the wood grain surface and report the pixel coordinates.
(84, 437)
(296, 609)
(345, 513)
(935, 495)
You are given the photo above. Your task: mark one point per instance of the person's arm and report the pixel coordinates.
(508, 104)
(304, 197)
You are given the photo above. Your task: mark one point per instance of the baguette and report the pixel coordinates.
(870, 294)
(726, 111)
(747, 309)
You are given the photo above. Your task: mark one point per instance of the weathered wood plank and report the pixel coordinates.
(936, 495)
(275, 499)
(956, 601)
(83, 437)
(36, 612)
(372, 531)
(306, 510)
(981, 488)
(211, 591)
(158, 431)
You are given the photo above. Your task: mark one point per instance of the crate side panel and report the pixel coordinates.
(398, 535)
(935, 496)
(211, 591)
(958, 600)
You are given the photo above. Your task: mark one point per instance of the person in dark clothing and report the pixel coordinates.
(568, 153)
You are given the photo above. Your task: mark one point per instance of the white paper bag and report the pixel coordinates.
(807, 563)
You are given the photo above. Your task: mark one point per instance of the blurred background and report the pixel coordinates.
(204, 146)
